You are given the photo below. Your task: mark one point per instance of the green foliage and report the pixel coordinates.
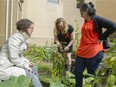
(20, 81)
(45, 68)
(88, 79)
(77, 37)
(57, 60)
(58, 64)
(108, 73)
(112, 50)
(50, 65)
(111, 80)
(44, 78)
(35, 53)
(56, 84)
(58, 81)
(70, 79)
(39, 53)
(111, 63)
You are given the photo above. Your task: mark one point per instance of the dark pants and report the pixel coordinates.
(90, 63)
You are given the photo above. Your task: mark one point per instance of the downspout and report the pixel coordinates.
(11, 18)
(6, 22)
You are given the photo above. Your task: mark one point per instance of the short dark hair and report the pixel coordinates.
(23, 24)
(88, 6)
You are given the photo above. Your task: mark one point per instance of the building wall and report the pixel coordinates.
(10, 12)
(2, 21)
(107, 9)
(44, 15)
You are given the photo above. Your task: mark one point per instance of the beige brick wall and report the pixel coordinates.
(8, 18)
(44, 14)
(2, 21)
(107, 9)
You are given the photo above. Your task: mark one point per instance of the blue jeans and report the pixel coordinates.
(34, 76)
(90, 63)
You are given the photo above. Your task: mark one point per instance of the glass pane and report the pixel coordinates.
(54, 1)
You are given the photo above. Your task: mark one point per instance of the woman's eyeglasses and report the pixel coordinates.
(31, 27)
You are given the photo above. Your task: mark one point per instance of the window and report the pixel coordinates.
(54, 1)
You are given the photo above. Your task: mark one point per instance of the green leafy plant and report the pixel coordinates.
(20, 81)
(35, 53)
(77, 37)
(39, 53)
(110, 62)
(51, 65)
(58, 64)
(107, 74)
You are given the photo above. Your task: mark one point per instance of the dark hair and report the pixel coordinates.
(88, 6)
(23, 24)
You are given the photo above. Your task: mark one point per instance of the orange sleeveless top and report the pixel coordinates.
(89, 45)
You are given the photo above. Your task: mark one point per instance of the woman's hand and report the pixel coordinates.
(31, 64)
(60, 47)
(66, 48)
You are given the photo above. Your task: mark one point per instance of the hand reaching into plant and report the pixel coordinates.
(66, 48)
(60, 47)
